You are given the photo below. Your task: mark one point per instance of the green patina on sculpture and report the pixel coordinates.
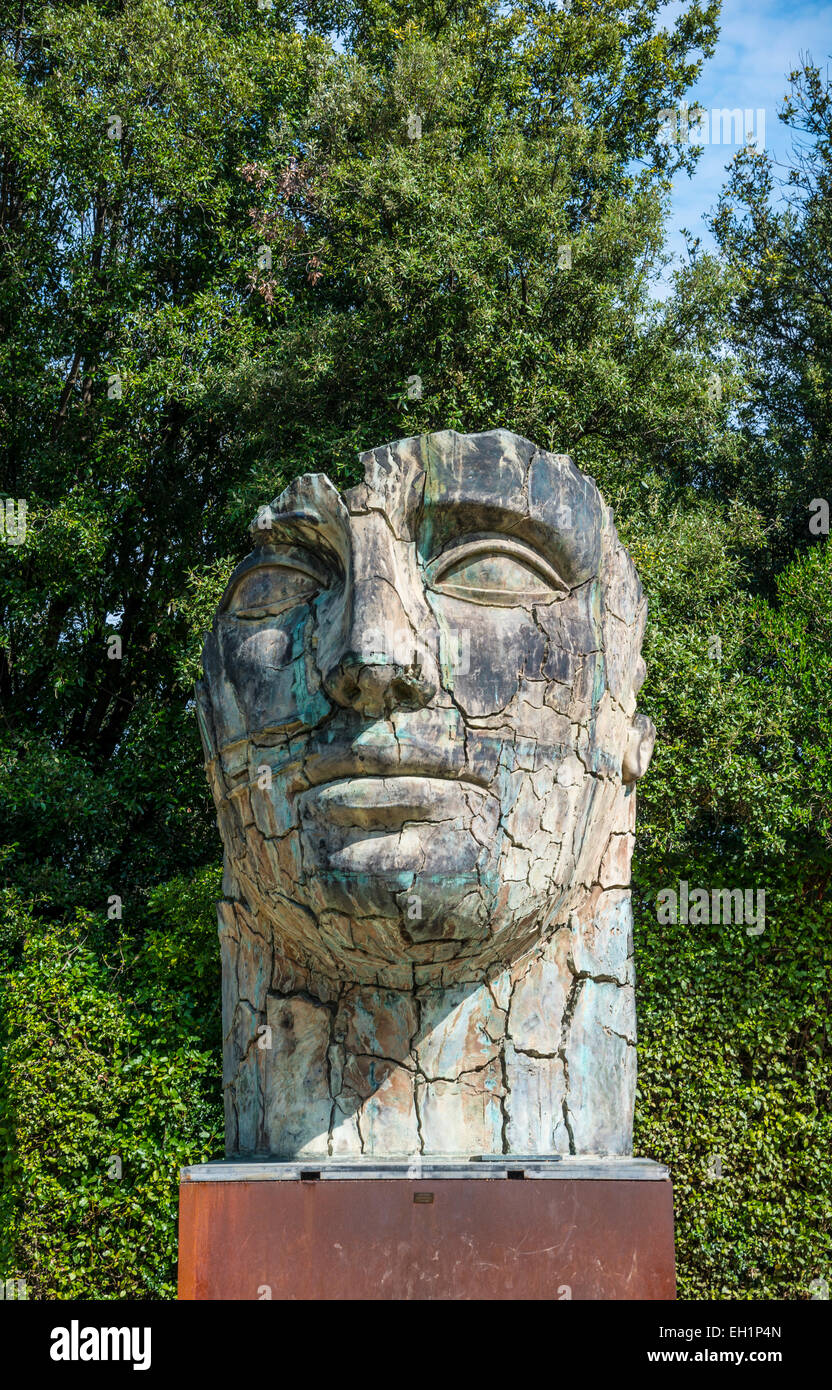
(419, 719)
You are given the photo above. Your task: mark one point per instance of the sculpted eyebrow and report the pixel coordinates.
(445, 522)
(302, 528)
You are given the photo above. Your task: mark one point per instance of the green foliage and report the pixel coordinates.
(109, 1052)
(735, 1081)
(262, 252)
(776, 237)
(735, 1063)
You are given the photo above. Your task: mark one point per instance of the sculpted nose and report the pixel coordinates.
(375, 686)
(375, 654)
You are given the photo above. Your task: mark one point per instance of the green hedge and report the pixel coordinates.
(438, 257)
(735, 1084)
(111, 1049)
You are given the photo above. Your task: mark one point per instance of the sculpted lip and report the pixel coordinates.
(382, 800)
(342, 765)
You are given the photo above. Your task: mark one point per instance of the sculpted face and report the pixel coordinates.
(419, 708)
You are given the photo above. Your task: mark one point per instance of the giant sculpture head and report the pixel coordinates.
(419, 719)
(419, 706)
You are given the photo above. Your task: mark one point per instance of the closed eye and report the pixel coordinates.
(495, 569)
(274, 585)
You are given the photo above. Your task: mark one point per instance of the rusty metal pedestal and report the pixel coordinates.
(490, 1228)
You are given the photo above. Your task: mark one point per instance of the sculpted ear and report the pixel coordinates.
(640, 742)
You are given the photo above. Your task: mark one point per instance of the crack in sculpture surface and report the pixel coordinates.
(419, 718)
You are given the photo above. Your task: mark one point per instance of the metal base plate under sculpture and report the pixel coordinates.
(493, 1228)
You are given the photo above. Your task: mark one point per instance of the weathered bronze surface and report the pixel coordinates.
(420, 728)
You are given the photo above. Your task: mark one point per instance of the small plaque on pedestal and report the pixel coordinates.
(492, 1228)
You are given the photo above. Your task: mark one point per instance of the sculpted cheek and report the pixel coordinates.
(271, 666)
(486, 653)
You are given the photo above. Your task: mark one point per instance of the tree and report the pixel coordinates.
(779, 249)
(232, 250)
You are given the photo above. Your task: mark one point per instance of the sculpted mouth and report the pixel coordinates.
(385, 802)
(406, 764)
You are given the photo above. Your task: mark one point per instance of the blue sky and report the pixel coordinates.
(760, 42)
